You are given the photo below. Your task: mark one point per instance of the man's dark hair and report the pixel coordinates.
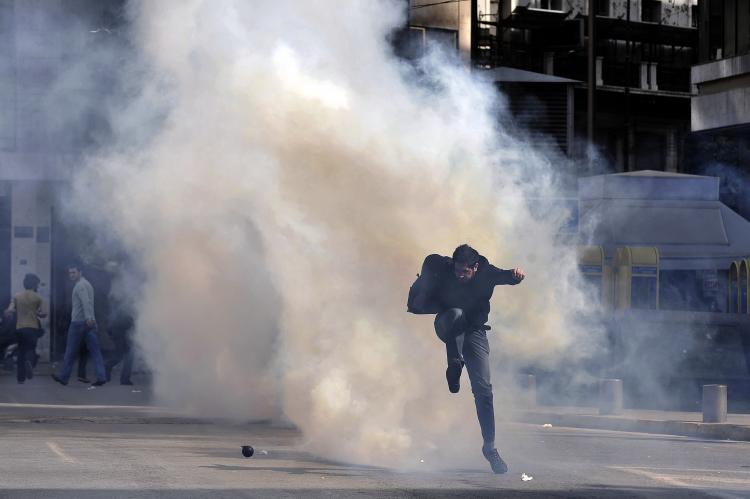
(74, 265)
(31, 281)
(466, 254)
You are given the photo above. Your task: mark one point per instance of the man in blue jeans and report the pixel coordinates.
(459, 289)
(82, 328)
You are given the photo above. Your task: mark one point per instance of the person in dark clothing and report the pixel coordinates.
(458, 290)
(121, 330)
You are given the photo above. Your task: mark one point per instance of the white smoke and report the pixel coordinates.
(293, 178)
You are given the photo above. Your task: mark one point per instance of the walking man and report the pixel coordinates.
(82, 328)
(458, 291)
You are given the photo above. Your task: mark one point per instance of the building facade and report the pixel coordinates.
(720, 109)
(47, 122)
(643, 53)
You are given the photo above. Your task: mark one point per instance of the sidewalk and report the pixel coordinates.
(688, 424)
(45, 368)
(43, 400)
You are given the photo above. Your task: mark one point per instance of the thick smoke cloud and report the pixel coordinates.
(292, 177)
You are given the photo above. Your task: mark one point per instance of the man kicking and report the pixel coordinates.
(458, 290)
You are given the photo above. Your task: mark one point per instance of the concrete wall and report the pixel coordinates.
(619, 9)
(7, 76)
(676, 12)
(728, 108)
(723, 93)
(36, 138)
(576, 7)
(454, 16)
(45, 84)
(673, 12)
(444, 16)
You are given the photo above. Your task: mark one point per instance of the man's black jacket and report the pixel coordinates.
(440, 290)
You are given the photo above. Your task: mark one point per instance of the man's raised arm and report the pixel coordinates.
(501, 276)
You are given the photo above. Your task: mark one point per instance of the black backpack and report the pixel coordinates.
(422, 299)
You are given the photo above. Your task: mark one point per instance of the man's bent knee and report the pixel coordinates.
(446, 323)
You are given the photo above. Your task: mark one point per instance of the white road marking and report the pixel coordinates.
(659, 477)
(57, 450)
(677, 478)
(684, 470)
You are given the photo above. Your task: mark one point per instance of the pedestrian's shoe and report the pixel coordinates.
(496, 462)
(98, 382)
(453, 375)
(29, 370)
(59, 380)
(126, 383)
(83, 379)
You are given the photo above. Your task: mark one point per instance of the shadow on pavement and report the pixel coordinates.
(292, 470)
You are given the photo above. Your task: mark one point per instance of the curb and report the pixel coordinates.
(141, 420)
(104, 420)
(716, 431)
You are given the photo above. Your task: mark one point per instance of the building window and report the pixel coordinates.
(550, 4)
(42, 234)
(651, 11)
(23, 231)
(602, 8)
(715, 31)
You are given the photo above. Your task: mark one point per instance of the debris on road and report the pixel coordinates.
(247, 450)
(526, 477)
(264, 452)
(135, 391)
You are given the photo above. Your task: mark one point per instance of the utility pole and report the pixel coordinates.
(628, 124)
(591, 77)
(474, 31)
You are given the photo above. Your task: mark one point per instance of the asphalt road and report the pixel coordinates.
(72, 458)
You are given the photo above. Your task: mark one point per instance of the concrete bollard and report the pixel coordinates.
(610, 396)
(714, 403)
(528, 385)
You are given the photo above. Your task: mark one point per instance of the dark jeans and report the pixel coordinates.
(26, 350)
(123, 353)
(77, 333)
(471, 341)
(83, 358)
